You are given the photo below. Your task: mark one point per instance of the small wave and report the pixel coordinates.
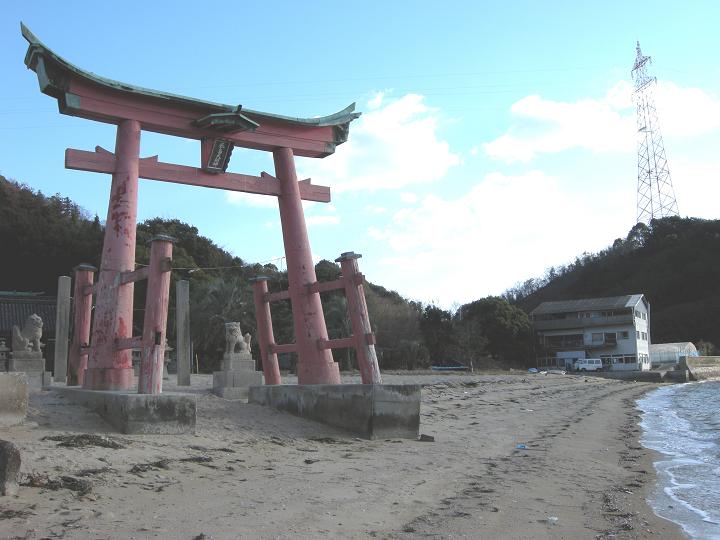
(677, 422)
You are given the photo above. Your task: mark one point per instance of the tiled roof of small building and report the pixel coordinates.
(588, 304)
(15, 309)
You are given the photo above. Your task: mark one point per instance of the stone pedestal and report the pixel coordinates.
(32, 364)
(236, 376)
(13, 398)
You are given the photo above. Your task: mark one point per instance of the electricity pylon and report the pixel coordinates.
(655, 194)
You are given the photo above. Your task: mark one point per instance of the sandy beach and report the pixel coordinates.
(252, 472)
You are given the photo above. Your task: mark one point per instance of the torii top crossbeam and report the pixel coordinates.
(84, 94)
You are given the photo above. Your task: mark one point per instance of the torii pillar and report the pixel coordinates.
(110, 368)
(315, 365)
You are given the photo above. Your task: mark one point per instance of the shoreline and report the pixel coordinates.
(251, 472)
(645, 459)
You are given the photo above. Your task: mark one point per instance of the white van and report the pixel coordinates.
(588, 364)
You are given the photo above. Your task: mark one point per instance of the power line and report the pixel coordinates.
(196, 268)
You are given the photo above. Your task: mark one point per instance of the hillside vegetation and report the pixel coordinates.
(673, 262)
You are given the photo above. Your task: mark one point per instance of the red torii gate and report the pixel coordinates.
(106, 353)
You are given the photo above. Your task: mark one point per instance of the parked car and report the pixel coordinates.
(588, 364)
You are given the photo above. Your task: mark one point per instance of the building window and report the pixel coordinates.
(644, 316)
(610, 338)
(637, 332)
(644, 336)
(624, 335)
(637, 314)
(597, 338)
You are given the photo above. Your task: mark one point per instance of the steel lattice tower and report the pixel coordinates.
(655, 194)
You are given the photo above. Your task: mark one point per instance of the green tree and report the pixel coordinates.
(505, 327)
(437, 331)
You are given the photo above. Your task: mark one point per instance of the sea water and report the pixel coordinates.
(682, 422)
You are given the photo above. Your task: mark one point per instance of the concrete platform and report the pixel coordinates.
(38, 380)
(13, 398)
(132, 413)
(371, 411)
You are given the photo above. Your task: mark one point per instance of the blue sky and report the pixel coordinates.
(497, 138)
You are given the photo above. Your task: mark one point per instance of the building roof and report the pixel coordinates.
(588, 304)
(672, 347)
(15, 310)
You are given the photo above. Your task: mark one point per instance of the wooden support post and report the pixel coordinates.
(183, 347)
(156, 310)
(82, 315)
(359, 319)
(109, 368)
(266, 338)
(62, 329)
(315, 365)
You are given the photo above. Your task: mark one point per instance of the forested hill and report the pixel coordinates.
(675, 262)
(43, 237)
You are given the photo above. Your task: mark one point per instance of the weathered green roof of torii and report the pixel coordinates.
(54, 73)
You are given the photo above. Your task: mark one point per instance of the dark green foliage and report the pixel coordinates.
(42, 238)
(438, 332)
(504, 327)
(396, 323)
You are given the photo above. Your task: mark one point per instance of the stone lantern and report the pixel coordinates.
(4, 356)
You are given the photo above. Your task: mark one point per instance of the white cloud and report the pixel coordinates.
(545, 126)
(251, 199)
(373, 209)
(321, 220)
(504, 230)
(265, 201)
(408, 197)
(697, 186)
(393, 145)
(686, 112)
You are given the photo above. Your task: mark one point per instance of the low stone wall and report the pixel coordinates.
(372, 411)
(701, 368)
(13, 398)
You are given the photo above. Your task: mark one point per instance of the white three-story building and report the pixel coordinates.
(615, 329)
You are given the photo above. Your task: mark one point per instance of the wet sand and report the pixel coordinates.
(252, 472)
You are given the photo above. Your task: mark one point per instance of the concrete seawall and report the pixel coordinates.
(701, 368)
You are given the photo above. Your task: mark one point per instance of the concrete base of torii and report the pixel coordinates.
(132, 413)
(372, 411)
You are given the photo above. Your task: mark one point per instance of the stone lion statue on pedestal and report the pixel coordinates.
(234, 338)
(28, 339)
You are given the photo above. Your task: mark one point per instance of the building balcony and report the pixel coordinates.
(570, 346)
(585, 322)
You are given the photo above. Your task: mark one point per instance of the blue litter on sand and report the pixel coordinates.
(521, 447)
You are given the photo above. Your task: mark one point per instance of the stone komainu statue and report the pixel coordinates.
(28, 339)
(234, 338)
